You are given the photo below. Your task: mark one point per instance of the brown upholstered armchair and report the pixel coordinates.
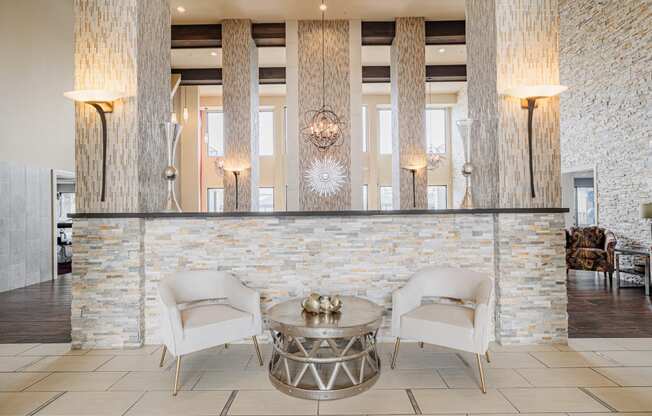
(590, 248)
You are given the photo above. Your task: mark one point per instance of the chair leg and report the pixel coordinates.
(420, 344)
(486, 354)
(398, 343)
(260, 356)
(176, 376)
(484, 389)
(165, 348)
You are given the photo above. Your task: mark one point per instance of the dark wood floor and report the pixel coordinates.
(36, 314)
(597, 311)
(41, 313)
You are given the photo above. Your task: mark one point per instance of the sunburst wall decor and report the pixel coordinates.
(325, 176)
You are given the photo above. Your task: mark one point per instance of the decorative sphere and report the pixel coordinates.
(170, 173)
(323, 128)
(467, 169)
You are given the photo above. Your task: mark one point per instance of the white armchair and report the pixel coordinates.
(189, 325)
(461, 326)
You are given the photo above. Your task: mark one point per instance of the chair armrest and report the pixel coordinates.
(609, 247)
(568, 238)
(481, 315)
(403, 301)
(246, 299)
(171, 325)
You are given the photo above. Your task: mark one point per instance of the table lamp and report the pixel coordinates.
(646, 213)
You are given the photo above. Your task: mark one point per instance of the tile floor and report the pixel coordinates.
(588, 377)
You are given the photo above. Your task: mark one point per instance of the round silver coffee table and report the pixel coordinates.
(324, 357)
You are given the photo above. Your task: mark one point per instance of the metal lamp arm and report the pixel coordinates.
(102, 114)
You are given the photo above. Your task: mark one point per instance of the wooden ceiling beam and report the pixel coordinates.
(276, 75)
(448, 32)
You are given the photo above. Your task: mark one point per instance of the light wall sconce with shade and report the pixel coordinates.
(529, 94)
(102, 101)
(236, 171)
(413, 169)
(646, 214)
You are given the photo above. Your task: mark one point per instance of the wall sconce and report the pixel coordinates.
(102, 101)
(529, 94)
(236, 174)
(413, 169)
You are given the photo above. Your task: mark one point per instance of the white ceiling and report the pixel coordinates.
(367, 89)
(274, 57)
(213, 11)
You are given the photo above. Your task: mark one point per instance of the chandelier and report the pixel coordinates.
(323, 127)
(434, 158)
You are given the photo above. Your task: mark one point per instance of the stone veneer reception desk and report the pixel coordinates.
(119, 259)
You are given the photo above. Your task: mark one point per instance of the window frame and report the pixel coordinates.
(219, 152)
(380, 198)
(208, 198)
(259, 194)
(445, 196)
(364, 120)
(446, 113)
(269, 110)
(388, 110)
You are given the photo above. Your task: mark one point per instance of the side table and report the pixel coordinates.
(620, 252)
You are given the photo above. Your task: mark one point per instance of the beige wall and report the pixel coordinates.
(36, 40)
(189, 148)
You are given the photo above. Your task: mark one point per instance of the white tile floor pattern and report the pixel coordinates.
(588, 377)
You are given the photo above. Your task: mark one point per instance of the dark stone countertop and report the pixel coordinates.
(152, 215)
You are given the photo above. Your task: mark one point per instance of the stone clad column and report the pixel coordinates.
(510, 44)
(122, 47)
(240, 92)
(408, 75)
(338, 96)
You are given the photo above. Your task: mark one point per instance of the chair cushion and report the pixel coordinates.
(196, 317)
(448, 325)
(592, 259)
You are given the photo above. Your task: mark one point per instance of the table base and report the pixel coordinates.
(324, 368)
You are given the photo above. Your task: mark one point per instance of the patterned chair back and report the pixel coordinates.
(587, 237)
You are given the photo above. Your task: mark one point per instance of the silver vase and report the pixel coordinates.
(464, 127)
(172, 133)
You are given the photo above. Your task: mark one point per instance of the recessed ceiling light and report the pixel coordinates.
(213, 53)
(322, 7)
(181, 9)
(442, 50)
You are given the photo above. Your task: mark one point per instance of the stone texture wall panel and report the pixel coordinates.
(125, 49)
(605, 115)
(108, 283)
(240, 90)
(408, 74)
(512, 43)
(338, 97)
(119, 262)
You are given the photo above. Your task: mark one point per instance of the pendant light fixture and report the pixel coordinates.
(323, 127)
(185, 104)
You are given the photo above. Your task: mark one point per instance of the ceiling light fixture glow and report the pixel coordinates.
(181, 9)
(442, 50)
(213, 53)
(322, 7)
